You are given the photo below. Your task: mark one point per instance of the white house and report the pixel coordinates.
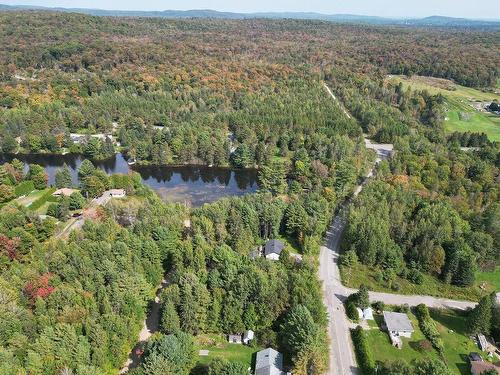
(398, 325)
(269, 362)
(273, 249)
(247, 336)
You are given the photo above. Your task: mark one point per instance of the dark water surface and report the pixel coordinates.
(193, 184)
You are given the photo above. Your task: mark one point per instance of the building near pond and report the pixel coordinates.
(66, 192)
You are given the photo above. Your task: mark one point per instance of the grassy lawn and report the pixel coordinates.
(218, 346)
(492, 279)
(361, 274)
(451, 325)
(459, 100)
(457, 345)
(31, 197)
(383, 351)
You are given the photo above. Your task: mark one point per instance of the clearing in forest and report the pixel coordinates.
(464, 105)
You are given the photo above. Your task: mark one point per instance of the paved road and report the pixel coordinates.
(342, 358)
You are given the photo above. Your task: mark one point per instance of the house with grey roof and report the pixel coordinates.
(269, 362)
(273, 249)
(398, 325)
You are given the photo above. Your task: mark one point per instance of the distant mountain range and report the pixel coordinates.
(436, 21)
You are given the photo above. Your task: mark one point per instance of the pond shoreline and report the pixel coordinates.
(192, 184)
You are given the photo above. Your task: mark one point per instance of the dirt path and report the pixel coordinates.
(151, 325)
(338, 101)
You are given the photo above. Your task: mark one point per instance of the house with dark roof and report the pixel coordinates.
(273, 249)
(269, 362)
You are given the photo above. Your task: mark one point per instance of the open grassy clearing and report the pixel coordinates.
(492, 279)
(31, 197)
(361, 274)
(218, 346)
(461, 115)
(457, 344)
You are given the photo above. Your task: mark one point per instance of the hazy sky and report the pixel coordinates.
(388, 8)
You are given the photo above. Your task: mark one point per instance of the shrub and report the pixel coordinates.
(41, 201)
(363, 351)
(378, 306)
(352, 312)
(415, 277)
(428, 327)
(424, 345)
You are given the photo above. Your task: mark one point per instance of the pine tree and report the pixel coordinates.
(479, 320)
(169, 318)
(63, 177)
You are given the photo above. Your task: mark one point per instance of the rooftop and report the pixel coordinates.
(269, 362)
(480, 367)
(397, 322)
(273, 247)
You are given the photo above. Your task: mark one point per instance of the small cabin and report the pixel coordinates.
(248, 336)
(234, 339)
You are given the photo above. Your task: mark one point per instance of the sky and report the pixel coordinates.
(484, 9)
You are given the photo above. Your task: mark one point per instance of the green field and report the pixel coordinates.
(460, 115)
(31, 197)
(361, 274)
(451, 326)
(492, 279)
(218, 346)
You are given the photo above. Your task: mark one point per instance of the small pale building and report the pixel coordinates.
(116, 193)
(66, 192)
(248, 336)
(366, 314)
(484, 344)
(273, 249)
(234, 339)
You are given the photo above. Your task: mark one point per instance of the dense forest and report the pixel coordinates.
(189, 91)
(230, 93)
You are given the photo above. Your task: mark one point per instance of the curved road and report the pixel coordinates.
(342, 358)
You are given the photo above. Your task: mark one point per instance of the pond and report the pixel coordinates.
(191, 184)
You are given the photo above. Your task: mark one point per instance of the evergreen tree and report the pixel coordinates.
(479, 320)
(63, 177)
(169, 318)
(298, 331)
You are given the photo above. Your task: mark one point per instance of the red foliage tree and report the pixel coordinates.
(39, 288)
(9, 246)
